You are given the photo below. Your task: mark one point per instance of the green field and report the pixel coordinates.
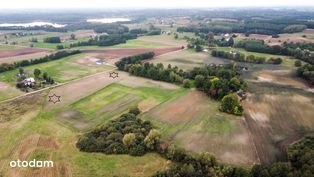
(40, 35)
(59, 146)
(116, 99)
(287, 61)
(37, 121)
(61, 70)
(134, 43)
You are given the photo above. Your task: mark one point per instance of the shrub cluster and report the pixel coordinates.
(125, 135)
(306, 72)
(52, 40)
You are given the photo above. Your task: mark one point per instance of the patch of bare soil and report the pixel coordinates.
(28, 146)
(282, 39)
(79, 89)
(12, 109)
(73, 118)
(3, 86)
(183, 21)
(81, 34)
(90, 61)
(32, 142)
(282, 77)
(18, 52)
(181, 110)
(23, 57)
(259, 36)
(235, 148)
(274, 118)
(308, 31)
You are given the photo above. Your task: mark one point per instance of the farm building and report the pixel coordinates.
(29, 81)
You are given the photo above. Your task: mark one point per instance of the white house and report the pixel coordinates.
(29, 81)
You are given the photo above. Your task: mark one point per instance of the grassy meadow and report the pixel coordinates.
(61, 70)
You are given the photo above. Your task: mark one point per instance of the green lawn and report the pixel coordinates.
(61, 70)
(116, 99)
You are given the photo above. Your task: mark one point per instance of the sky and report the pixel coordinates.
(47, 4)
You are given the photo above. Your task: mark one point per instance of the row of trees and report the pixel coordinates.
(52, 40)
(123, 63)
(106, 40)
(248, 27)
(215, 81)
(124, 135)
(300, 45)
(58, 55)
(259, 46)
(238, 56)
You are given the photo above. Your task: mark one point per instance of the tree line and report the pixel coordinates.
(216, 81)
(240, 57)
(253, 45)
(106, 40)
(246, 27)
(58, 55)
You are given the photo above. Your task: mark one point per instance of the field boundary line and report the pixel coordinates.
(54, 86)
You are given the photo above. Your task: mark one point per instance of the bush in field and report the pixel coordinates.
(230, 104)
(59, 47)
(186, 83)
(135, 110)
(52, 40)
(297, 63)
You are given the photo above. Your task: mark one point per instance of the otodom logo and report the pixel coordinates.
(33, 164)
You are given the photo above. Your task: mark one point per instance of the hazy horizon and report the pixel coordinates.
(99, 4)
